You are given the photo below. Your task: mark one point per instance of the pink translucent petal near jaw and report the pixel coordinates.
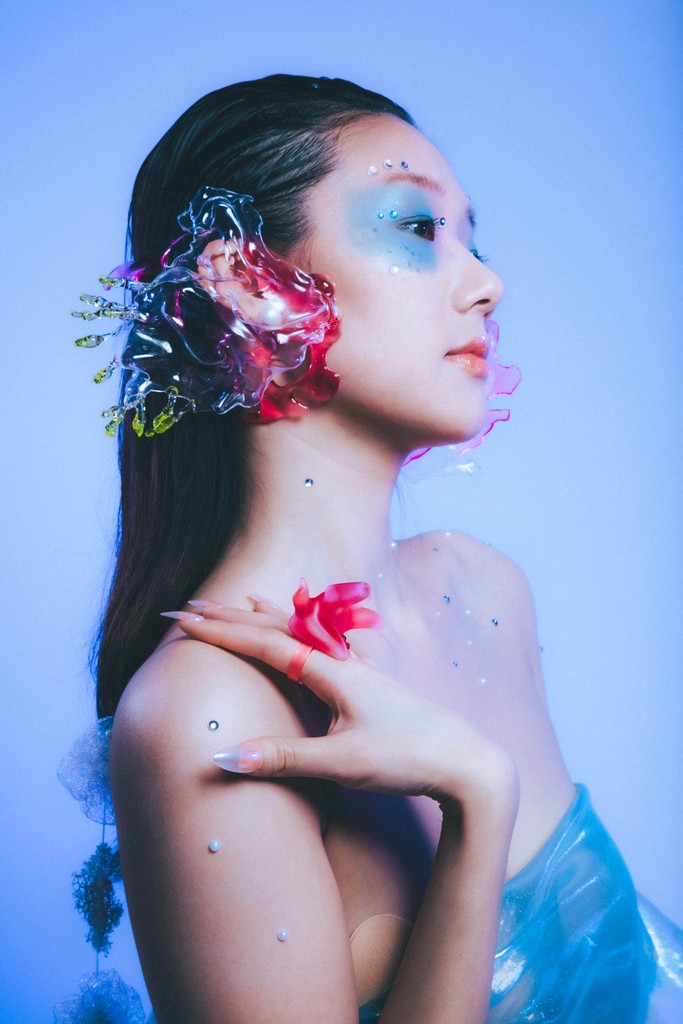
(321, 621)
(501, 380)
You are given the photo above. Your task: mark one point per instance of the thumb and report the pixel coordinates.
(279, 757)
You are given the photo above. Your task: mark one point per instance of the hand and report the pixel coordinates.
(382, 737)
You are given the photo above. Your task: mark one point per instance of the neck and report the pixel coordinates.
(320, 509)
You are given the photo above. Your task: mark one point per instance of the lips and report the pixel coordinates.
(471, 357)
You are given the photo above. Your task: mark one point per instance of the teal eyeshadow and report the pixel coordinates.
(375, 217)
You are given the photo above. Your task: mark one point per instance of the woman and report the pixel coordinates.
(354, 851)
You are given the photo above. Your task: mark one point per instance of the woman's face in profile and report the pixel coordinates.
(392, 228)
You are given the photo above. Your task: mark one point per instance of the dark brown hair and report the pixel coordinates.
(185, 493)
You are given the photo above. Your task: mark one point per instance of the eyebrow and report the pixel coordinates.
(430, 185)
(421, 180)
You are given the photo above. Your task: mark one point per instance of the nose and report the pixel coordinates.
(475, 286)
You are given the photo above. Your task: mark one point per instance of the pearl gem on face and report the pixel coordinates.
(404, 165)
(282, 935)
(394, 269)
(372, 169)
(213, 725)
(215, 845)
(388, 164)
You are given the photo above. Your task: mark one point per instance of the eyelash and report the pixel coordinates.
(477, 255)
(434, 224)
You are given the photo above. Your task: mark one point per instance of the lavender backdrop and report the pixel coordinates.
(564, 124)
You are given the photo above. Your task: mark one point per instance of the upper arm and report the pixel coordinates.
(206, 924)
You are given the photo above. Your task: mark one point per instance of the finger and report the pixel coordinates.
(271, 645)
(261, 603)
(225, 613)
(284, 757)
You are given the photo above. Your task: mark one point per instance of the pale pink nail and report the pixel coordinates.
(206, 604)
(183, 616)
(237, 759)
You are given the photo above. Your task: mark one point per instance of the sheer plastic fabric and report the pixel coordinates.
(576, 944)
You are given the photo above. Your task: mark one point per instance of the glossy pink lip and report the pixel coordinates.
(472, 357)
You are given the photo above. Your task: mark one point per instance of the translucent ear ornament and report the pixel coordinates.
(219, 328)
(104, 998)
(501, 380)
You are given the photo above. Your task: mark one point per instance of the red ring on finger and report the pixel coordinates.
(297, 662)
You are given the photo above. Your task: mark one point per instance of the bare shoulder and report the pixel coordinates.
(190, 697)
(467, 559)
(479, 574)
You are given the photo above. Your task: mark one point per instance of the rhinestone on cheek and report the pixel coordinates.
(213, 725)
(372, 169)
(404, 165)
(308, 482)
(388, 163)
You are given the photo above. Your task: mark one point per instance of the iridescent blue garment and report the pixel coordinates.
(576, 944)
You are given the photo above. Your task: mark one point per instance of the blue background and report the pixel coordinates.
(563, 121)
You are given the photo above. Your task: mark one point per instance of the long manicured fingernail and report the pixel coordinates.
(237, 759)
(183, 616)
(206, 604)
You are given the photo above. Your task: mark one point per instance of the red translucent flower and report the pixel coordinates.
(322, 621)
